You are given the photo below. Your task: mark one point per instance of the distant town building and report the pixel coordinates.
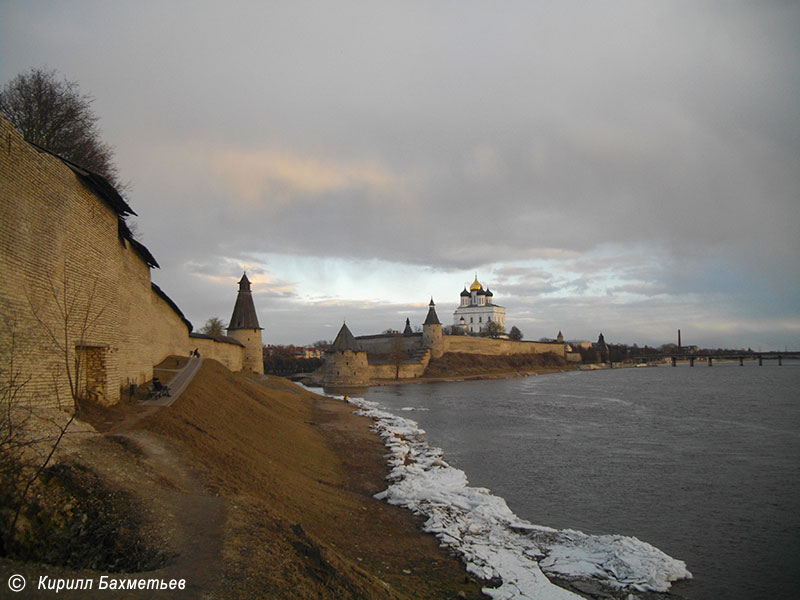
(292, 351)
(602, 349)
(582, 344)
(477, 309)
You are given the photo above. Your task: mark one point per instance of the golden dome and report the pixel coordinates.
(475, 285)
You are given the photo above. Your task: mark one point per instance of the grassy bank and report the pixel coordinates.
(458, 365)
(260, 489)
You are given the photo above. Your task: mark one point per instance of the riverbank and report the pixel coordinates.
(479, 526)
(657, 453)
(476, 377)
(452, 367)
(258, 488)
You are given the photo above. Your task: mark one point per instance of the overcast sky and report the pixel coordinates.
(624, 167)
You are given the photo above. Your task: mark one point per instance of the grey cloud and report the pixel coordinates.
(668, 129)
(312, 321)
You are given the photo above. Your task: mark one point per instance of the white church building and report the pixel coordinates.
(477, 309)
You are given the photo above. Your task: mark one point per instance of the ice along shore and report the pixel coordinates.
(497, 545)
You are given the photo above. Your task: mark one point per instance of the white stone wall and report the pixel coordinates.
(476, 317)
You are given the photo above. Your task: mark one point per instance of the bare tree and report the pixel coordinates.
(52, 113)
(399, 355)
(67, 327)
(453, 330)
(493, 329)
(214, 327)
(66, 318)
(15, 411)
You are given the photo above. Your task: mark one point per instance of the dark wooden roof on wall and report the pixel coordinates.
(225, 339)
(160, 293)
(96, 183)
(100, 187)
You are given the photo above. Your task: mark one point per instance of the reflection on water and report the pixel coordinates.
(702, 463)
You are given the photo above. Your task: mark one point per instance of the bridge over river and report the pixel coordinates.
(710, 357)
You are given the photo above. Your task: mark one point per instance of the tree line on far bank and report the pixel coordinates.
(282, 361)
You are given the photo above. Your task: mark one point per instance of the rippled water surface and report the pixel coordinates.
(703, 463)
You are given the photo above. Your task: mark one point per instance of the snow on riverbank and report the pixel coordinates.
(496, 544)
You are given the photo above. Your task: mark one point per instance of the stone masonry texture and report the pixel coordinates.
(73, 291)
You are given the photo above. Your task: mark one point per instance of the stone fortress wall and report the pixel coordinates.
(496, 346)
(224, 352)
(375, 362)
(386, 343)
(70, 265)
(347, 367)
(406, 356)
(406, 370)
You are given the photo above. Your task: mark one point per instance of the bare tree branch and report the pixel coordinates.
(52, 113)
(67, 328)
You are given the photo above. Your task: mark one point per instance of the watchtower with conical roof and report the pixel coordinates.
(345, 361)
(432, 332)
(408, 331)
(244, 328)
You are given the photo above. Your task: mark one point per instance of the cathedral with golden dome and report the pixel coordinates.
(477, 309)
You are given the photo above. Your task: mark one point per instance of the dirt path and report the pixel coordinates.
(191, 516)
(177, 513)
(181, 515)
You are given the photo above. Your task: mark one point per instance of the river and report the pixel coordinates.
(703, 463)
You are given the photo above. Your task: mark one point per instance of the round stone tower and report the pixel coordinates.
(345, 361)
(244, 328)
(432, 332)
